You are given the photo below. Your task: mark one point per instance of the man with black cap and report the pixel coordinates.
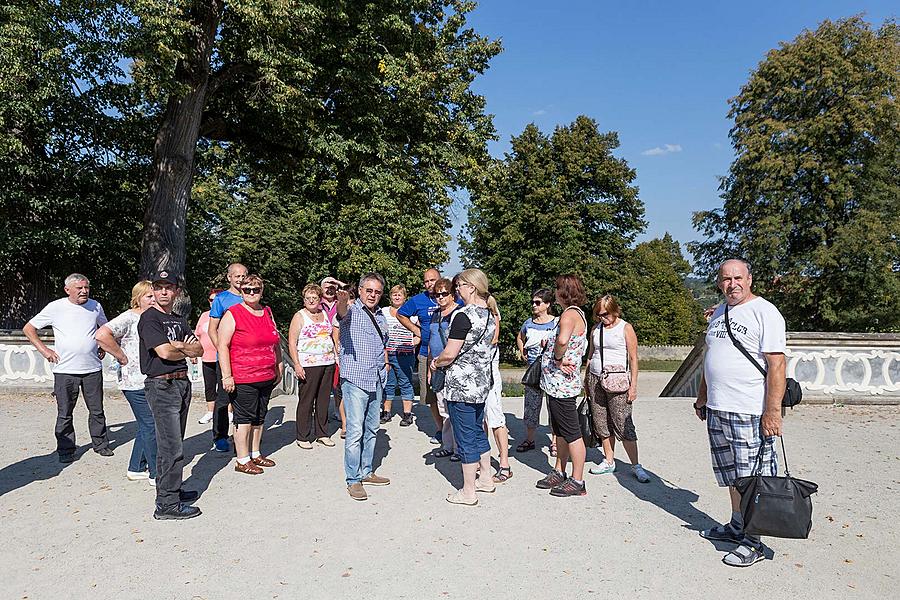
(166, 341)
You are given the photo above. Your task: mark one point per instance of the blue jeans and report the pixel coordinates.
(143, 454)
(363, 410)
(400, 375)
(468, 431)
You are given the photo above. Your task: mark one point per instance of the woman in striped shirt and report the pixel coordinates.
(401, 348)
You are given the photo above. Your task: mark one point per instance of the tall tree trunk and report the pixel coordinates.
(163, 243)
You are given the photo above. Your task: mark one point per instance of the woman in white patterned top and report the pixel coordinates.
(312, 342)
(119, 338)
(468, 381)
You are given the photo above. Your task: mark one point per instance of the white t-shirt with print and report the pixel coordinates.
(74, 327)
(732, 383)
(125, 331)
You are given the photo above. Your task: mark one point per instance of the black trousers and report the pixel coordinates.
(220, 412)
(169, 400)
(65, 388)
(312, 402)
(212, 380)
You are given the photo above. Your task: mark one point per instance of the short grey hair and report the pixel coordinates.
(370, 276)
(76, 277)
(740, 260)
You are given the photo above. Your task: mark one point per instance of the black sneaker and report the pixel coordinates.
(569, 488)
(385, 417)
(553, 479)
(188, 496)
(67, 458)
(407, 420)
(177, 512)
(105, 451)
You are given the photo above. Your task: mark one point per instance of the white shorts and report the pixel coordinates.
(493, 406)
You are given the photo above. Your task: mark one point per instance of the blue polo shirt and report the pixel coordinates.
(223, 301)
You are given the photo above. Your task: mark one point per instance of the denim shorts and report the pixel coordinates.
(471, 440)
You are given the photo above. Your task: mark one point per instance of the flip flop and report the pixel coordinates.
(458, 498)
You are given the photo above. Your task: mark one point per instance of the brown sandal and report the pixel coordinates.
(263, 461)
(503, 474)
(249, 468)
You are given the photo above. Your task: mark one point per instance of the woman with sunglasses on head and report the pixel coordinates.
(467, 382)
(530, 342)
(613, 349)
(250, 361)
(439, 330)
(561, 380)
(208, 360)
(312, 340)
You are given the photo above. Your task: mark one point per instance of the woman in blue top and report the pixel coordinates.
(530, 340)
(439, 333)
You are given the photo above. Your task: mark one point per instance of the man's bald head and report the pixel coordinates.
(735, 279)
(429, 277)
(235, 276)
(236, 267)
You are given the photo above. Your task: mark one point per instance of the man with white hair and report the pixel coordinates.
(76, 361)
(741, 406)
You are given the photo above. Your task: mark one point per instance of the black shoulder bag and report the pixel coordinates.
(793, 394)
(532, 375)
(776, 506)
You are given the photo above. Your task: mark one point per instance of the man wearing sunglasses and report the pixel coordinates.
(223, 301)
(364, 365)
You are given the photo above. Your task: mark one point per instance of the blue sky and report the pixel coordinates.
(658, 73)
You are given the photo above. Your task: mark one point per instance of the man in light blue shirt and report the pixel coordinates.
(364, 367)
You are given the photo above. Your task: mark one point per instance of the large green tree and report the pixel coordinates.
(554, 204)
(811, 199)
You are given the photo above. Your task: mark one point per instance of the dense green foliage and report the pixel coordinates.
(329, 136)
(564, 204)
(811, 199)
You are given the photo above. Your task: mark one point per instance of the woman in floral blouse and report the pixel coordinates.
(312, 340)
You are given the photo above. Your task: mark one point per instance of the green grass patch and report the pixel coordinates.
(655, 364)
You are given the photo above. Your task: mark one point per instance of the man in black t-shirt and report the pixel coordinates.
(165, 341)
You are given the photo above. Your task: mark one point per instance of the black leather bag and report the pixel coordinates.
(532, 375)
(793, 393)
(776, 506)
(586, 422)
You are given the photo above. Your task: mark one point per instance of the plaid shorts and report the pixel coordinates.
(735, 442)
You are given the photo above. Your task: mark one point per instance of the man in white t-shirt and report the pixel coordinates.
(76, 362)
(742, 408)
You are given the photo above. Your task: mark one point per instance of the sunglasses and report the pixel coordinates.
(211, 300)
(441, 294)
(537, 302)
(251, 290)
(603, 315)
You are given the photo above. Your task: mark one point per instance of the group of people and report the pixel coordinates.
(342, 344)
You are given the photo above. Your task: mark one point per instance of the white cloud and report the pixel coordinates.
(664, 149)
(539, 113)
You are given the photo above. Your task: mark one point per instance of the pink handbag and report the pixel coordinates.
(615, 379)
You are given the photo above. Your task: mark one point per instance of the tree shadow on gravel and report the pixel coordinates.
(277, 434)
(537, 459)
(452, 471)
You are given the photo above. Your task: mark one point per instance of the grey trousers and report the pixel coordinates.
(65, 388)
(169, 400)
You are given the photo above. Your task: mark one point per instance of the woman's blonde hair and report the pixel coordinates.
(492, 306)
(398, 288)
(312, 287)
(611, 305)
(477, 279)
(138, 292)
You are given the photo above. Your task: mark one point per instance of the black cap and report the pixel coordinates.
(166, 276)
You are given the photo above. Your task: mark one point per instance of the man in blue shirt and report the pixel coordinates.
(422, 305)
(223, 301)
(364, 366)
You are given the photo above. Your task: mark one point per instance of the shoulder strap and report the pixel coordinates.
(601, 327)
(374, 324)
(740, 346)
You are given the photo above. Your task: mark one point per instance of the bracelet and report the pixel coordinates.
(698, 407)
(227, 377)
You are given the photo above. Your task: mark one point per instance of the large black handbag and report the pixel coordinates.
(586, 422)
(532, 375)
(793, 393)
(776, 506)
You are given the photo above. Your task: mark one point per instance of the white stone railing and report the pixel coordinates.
(861, 367)
(21, 365)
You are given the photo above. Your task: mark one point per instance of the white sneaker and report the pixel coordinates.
(152, 481)
(304, 444)
(137, 475)
(205, 418)
(640, 473)
(603, 468)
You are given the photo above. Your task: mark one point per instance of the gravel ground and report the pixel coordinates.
(84, 531)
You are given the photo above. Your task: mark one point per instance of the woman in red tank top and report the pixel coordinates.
(250, 360)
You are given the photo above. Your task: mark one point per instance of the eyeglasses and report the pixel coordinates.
(537, 302)
(252, 290)
(213, 299)
(441, 294)
(311, 298)
(603, 315)
(372, 292)
(462, 283)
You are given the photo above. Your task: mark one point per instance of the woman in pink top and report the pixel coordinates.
(208, 360)
(250, 361)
